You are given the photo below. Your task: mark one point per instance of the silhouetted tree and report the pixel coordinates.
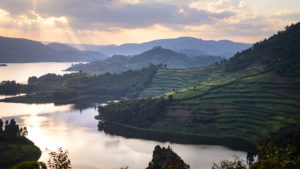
(32, 79)
(12, 129)
(10, 87)
(170, 97)
(1, 126)
(165, 66)
(23, 132)
(59, 160)
(226, 164)
(166, 158)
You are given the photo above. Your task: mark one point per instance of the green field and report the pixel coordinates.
(13, 153)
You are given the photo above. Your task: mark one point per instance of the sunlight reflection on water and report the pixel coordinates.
(51, 126)
(20, 72)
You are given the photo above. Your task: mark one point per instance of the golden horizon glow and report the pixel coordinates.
(229, 20)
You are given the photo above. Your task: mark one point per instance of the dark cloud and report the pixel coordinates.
(106, 14)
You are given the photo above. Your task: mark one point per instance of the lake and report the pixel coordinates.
(51, 127)
(20, 72)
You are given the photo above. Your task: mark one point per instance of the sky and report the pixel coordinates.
(135, 21)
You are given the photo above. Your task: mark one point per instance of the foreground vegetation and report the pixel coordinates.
(57, 160)
(166, 158)
(279, 150)
(14, 146)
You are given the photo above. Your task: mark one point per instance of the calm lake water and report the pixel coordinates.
(22, 71)
(51, 127)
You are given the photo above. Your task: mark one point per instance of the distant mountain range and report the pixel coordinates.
(156, 55)
(187, 45)
(22, 50)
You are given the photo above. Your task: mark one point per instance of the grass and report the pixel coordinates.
(12, 153)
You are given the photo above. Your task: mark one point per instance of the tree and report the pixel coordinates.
(170, 97)
(11, 129)
(225, 164)
(59, 160)
(32, 79)
(1, 126)
(23, 132)
(166, 158)
(165, 66)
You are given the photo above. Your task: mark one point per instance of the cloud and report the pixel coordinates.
(108, 14)
(131, 1)
(287, 15)
(244, 23)
(138, 20)
(30, 19)
(216, 5)
(34, 26)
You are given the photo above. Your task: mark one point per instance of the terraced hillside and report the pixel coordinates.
(252, 95)
(170, 81)
(247, 107)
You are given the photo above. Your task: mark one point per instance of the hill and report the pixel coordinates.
(157, 55)
(86, 55)
(79, 87)
(186, 45)
(251, 96)
(14, 50)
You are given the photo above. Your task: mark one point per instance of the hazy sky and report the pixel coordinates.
(123, 21)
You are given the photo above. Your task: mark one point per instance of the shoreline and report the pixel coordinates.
(129, 131)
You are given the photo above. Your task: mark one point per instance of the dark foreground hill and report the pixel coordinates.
(15, 50)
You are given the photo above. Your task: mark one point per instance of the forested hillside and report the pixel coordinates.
(251, 96)
(81, 87)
